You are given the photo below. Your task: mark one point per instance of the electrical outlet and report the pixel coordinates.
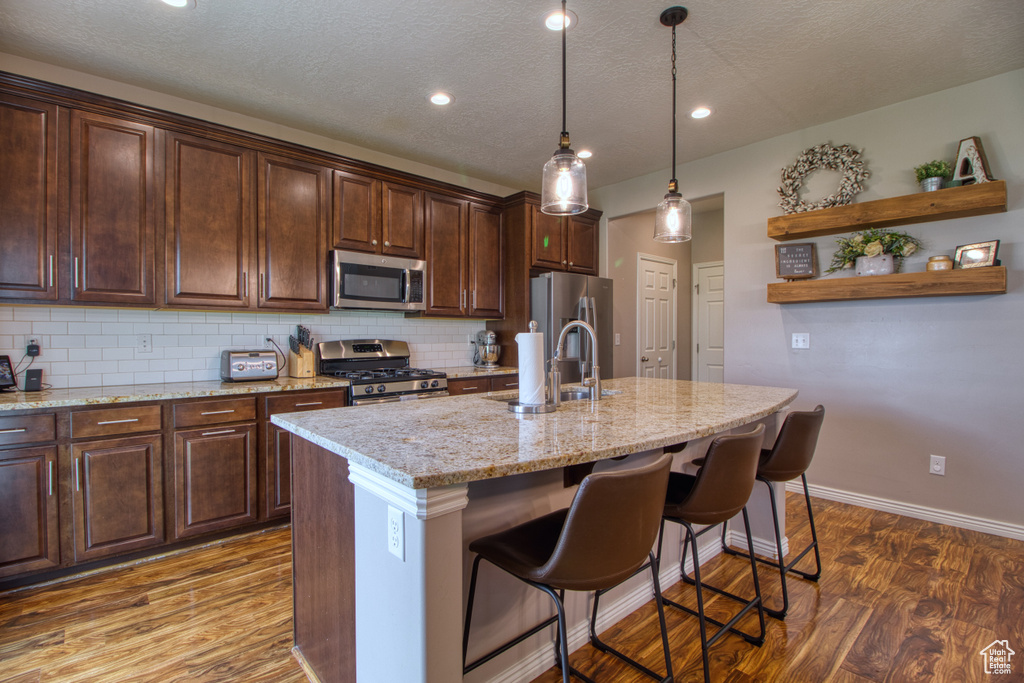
(396, 533)
(937, 465)
(618, 339)
(32, 349)
(144, 344)
(801, 340)
(268, 343)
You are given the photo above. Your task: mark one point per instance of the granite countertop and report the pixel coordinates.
(441, 441)
(473, 371)
(87, 396)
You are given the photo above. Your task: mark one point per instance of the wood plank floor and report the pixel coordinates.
(900, 600)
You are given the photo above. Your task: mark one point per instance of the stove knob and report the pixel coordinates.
(434, 384)
(368, 389)
(381, 389)
(424, 384)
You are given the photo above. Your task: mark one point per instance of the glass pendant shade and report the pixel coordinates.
(672, 221)
(564, 185)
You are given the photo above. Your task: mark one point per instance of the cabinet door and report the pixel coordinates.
(292, 234)
(118, 496)
(28, 199)
(401, 220)
(210, 222)
(548, 240)
(486, 259)
(581, 236)
(113, 210)
(446, 261)
(474, 385)
(355, 218)
(214, 479)
(28, 510)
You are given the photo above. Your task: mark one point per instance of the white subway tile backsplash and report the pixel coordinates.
(100, 314)
(82, 328)
(34, 314)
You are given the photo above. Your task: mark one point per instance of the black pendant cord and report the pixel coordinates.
(674, 182)
(565, 130)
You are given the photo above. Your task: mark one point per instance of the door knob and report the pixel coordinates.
(659, 359)
(644, 359)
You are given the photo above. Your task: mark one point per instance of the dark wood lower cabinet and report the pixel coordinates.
(117, 488)
(29, 538)
(214, 479)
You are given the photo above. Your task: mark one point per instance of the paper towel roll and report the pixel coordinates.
(531, 368)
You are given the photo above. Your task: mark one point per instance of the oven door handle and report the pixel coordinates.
(371, 401)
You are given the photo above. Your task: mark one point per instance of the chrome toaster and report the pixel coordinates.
(242, 366)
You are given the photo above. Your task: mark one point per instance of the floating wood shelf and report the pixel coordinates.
(955, 202)
(987, 280)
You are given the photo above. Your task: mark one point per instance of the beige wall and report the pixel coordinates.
(902, 378)
(628, 236)
(708, 235)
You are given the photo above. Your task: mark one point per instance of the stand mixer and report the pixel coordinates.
(487, 349)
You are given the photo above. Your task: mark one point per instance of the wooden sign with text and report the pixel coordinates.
(796, 261)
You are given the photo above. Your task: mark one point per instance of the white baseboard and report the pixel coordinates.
(986, 526)
(540, 660)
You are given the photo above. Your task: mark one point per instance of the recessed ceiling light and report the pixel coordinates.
(441, 98)
(553, 20)
(700, 113)
(585, 154)
(188, 4)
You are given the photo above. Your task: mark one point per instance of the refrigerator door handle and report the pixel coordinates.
(583, 313)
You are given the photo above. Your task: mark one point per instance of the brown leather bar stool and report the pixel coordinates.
(719, 491)
(788, 459)
(599, 541)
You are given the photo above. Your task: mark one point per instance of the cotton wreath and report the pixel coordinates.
(843, 158)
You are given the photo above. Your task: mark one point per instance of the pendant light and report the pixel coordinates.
(563, 189)
(672, 222)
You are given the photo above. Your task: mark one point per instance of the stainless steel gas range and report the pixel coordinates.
(378, 371)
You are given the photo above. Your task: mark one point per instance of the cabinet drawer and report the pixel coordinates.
(214, 412)
(289, 403)
(475, 385)
(504, 382)
(27, 429)
(111, 421)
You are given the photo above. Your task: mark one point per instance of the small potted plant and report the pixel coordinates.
(932, 175)
(873, 252)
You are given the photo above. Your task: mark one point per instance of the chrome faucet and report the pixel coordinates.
(594, 381)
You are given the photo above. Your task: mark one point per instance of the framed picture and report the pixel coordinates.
(796, 261)
(6, 374)
(976, 255)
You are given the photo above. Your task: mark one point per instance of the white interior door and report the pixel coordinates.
(656, 317)
(709, 322)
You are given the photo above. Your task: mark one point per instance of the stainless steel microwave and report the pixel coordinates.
(375, 281)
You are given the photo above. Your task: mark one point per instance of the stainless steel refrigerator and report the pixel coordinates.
(559, 298)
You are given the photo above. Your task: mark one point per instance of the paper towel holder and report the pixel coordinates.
(546, 407)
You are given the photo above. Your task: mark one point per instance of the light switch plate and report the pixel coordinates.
(801, 340)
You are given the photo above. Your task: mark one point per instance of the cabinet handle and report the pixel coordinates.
(245, 284)
(117, 422)
(76, 272)
(469, 388)
(373, 242)
(462, 299)
(12, 431)
(217, 412)
(563, 262)
(50, 479)
(387, 243)
(512, 384)
(474, 298)
(263, 290)
(310, 403)
(570, 264)
(223, 431)
(51, 270)
(76, 474)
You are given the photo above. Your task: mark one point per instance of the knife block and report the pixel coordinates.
(301, 364)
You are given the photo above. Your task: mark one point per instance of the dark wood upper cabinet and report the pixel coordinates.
(209, 224)
(401, 220)
(485, 258)
(28, 199)
(581, 240)
(355, 220)
(548, 240)
(112, 210)
(445, 231)
(294, 200)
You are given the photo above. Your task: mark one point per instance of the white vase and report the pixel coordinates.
(876, 265)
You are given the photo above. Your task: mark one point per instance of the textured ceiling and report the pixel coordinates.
(360, 70)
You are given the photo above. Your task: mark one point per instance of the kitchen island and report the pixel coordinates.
(380, 533)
